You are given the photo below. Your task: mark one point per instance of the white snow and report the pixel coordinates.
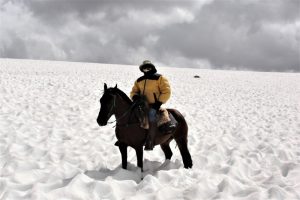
(244, 135)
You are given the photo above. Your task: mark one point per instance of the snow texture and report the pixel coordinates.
(244, 135)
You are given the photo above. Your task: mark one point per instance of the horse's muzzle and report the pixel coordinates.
(101, 123)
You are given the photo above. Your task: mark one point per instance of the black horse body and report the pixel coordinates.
(128, 130)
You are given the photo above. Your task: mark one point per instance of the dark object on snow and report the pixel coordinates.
(129, 133)
(196, 76)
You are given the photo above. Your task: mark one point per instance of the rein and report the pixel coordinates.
(113, 108)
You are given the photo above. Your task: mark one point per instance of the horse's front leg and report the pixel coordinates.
(139, 155)
(123, 150)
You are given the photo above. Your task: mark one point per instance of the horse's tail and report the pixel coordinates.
(181, 137)
(182, 129)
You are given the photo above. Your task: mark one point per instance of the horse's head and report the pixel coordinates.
(108, 103)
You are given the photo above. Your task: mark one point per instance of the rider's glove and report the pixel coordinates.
(156, 105)
(136, 97)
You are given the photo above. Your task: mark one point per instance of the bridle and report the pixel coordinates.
(113, 110)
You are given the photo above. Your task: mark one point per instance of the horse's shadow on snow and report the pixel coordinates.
(133, 172)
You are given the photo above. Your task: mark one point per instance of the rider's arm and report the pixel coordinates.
(135, 90)
(165, 89)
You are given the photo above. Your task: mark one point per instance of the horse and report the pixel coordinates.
(129, 133)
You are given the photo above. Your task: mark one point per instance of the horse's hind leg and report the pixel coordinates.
(186, 156)
(123, 150)
(167, 150)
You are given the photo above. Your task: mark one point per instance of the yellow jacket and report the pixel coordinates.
(154, 83)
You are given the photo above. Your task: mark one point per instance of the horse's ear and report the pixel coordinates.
(105, 87)
(116, 86)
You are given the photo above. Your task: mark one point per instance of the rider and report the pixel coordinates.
(157, 90)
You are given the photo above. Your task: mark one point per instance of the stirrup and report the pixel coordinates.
(149, 146)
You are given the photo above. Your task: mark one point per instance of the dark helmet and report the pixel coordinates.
(148, 64)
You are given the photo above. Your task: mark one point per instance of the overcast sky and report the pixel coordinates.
(259, 35)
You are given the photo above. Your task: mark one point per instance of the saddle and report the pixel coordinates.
(165, 120)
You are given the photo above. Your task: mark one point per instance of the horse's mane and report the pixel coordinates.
(123, 95)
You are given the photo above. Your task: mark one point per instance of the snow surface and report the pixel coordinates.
(244, 135)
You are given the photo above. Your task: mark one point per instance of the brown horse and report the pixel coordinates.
(128, 130)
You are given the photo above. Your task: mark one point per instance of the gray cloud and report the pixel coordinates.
(250, 34)
(247, 38)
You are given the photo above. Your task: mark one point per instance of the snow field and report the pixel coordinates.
(244, 135)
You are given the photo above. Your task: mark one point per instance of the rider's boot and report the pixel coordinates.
(168, 127)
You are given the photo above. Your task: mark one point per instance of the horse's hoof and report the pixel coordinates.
(190, 165)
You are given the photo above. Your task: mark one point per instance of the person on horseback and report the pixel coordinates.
(157, 90)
